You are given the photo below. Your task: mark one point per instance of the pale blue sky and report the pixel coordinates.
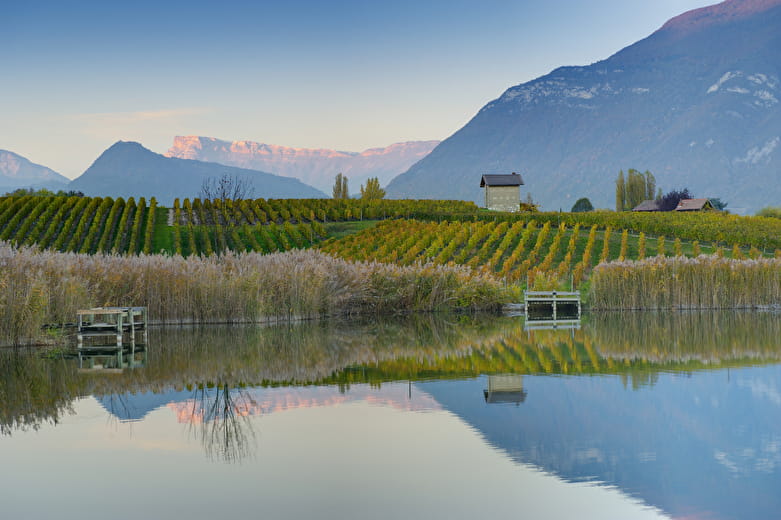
(80, 75)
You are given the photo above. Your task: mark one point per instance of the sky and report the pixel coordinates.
(78, 76)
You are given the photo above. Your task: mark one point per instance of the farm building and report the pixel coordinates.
(694, 205)
(683, 205)
(647, 205)
(502, 192)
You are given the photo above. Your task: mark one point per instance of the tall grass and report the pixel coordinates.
(48, 287)
(705, 282)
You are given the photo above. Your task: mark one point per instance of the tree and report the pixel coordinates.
(650, 185)
(634, 189)
(227, 187)
(769, 211)
(340, 187)
(620, 192)
(582, 205)
(372, 191)
(718, 204)
(670, 200)
(529, 205)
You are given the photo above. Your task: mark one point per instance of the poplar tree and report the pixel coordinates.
(620, 192)
(340, 190)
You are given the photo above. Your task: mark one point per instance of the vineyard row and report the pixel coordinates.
(515, 251)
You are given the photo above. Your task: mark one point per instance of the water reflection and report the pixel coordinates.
(679, 411)
(219, 418)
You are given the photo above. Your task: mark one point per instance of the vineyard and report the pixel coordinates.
(106, 225)
(541, 254)
(723, 229)
(546, 250)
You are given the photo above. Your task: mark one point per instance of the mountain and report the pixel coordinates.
(128, 169)
(315, 167)
(696, 103)
(18, 172)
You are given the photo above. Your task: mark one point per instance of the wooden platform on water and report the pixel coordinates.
(551, 305)
(111, 324)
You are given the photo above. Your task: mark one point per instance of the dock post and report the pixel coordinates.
(554, 305)
(119, 330)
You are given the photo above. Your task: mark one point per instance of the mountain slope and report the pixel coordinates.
(315, 167)
(128, 169)
(18, 172)
(697, 103)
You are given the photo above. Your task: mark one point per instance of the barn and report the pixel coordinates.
(502, 191)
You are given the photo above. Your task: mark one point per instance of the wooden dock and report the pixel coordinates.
(111, 322)
(551, 305)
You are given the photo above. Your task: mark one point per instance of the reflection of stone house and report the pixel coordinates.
(505, 388)
(502, 192)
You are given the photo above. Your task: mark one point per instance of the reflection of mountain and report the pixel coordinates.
(134, 407)
(704, 443)
(259, 401)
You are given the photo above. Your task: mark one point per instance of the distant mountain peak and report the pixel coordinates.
(127, 168)
(724, 12)
(19, 172)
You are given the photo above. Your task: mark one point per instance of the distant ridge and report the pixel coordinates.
(128, 169)
(18, 172)
(696, 103)
(317, 167)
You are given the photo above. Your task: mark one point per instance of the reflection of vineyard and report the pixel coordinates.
(635, 346)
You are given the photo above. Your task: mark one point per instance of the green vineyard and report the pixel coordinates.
(515, 251)
(105, 225)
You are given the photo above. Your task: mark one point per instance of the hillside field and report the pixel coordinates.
(540, 249)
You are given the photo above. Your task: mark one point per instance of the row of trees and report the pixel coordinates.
(371, 191)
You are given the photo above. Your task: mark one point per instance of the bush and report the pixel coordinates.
(770, 211)
(582, 205)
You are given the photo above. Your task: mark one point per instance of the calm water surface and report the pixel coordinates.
(630, 416)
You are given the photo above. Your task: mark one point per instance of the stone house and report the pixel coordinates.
(502, 192)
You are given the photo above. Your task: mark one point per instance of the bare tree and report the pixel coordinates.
(227, 187)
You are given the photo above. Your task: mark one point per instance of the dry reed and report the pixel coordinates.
(47, 287)
(705, 282)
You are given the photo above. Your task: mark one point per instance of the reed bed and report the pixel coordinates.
(705, 282)
(44, 287)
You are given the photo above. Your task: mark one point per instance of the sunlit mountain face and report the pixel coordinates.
(316, 167)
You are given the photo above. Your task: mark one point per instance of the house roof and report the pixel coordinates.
(693, 204)
(647, 205)
(512, 179)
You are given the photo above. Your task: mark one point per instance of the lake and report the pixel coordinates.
(634, 415)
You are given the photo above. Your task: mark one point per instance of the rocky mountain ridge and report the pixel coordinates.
(317, 167)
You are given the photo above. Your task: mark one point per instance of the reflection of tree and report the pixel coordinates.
(34, 390)
(220, 418)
